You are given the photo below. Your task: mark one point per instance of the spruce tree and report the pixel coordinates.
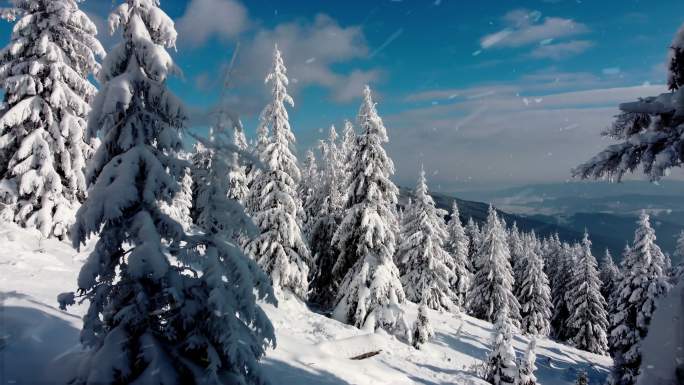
(280, 248)
(164, 307)
(560, 287)
(610, 275)
(501, 368)
(422, 329)
(643, 282)
(527, 366)
(534, 295)
(492, 291)
(588, 320)
(427, 273)
(474, 241)
(457, 245)
(311, 201)
(43, 117)
(370, 291)
(326, 219)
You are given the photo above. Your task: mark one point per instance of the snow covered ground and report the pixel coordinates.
(312, 349)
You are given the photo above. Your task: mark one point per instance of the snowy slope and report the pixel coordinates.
(312, 349)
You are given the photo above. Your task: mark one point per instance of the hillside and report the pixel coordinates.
(39, 342)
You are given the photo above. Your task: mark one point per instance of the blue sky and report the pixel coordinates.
(491, 92)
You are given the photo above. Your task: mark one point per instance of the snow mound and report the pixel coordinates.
(36, 338)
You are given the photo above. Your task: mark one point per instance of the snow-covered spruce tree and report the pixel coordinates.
(200, 162)
(588, 320)
(474, 241)
(534, 295)
(229, 278)
(527, 366)
(307, 191)
(427, 273)
(551, 254)
(516, 245)
(152, 316)
(237, 175)
(560, 287)
(370, 291)
(610, 276)
(46, 94)
(492, 290)
(643, 282)
(501, 368)
(280, 248)
(457, 245)
(326, 220)
(422, 329)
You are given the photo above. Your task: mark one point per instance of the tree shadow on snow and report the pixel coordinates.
(282, 373)
(30, 340)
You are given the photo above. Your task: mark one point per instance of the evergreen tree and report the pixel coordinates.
(422, 329)
(370, 291)
(561, 286)
(237, 175)
(200, 162)
(280, 248)
(328, 191)
(588, 320)
(527, 366)
(164, 307)
(492, 290)
(518, 262)
(534, 295)
(457, 245)
(311, 201)
(474, 241)
(610, 275)
(501, 364)
(426, 275)
(46, 92)
(643, 282)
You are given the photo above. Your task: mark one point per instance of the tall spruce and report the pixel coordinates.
(280, 248)
(610, 276)
(370, 291)
(561, 286)
(492, 291)
(534, 294)
(643, 282)
(588, 320)
(427, 273)
(457, 245)
(474, 234)
(160, 310)
(43, 117)
(328, 192)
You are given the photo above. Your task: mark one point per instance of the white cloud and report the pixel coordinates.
(500, 138)
(561, 51)
(311, 50)
(525, 28)
(206, 19)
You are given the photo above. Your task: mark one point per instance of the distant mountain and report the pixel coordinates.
(608, 211)
(541, 226)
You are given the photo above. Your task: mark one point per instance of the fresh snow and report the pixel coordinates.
(36, 337)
